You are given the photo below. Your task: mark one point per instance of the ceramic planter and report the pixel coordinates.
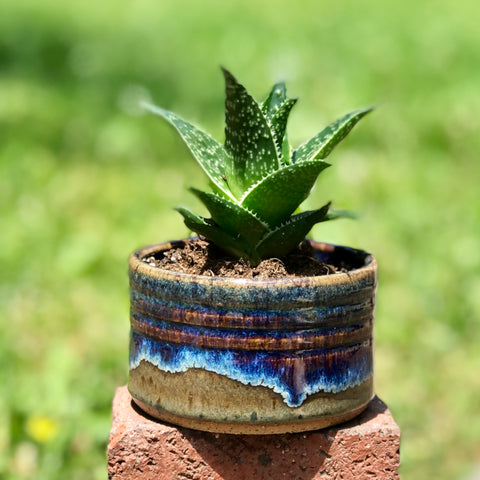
(248, 356)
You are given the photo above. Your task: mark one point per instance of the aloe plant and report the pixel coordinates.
(258, 180)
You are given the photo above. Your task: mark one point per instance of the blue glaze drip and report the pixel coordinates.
(293, 375)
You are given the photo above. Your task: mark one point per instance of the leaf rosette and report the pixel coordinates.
(258, 180)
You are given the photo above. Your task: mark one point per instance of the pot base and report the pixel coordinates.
(246, 429)
(206, 401)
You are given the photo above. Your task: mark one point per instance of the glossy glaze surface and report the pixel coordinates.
(297, 337)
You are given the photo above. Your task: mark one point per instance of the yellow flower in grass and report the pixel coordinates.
(41, 428)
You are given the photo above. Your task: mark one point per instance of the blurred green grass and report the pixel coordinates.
(85, 179)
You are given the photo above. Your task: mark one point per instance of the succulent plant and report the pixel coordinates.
(258, 180)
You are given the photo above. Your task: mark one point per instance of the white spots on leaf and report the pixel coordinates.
(249, 135)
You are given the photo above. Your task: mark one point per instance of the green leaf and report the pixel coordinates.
(323, 143)
(227, 242)
(279, 126)
(209, 153)
(286, 151)
(276, 98)
(285, 238)
(278, 195)
(248, 138)
(232, 218)
(277, 108)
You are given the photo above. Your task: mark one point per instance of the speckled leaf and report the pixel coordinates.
(286, 151)
(248, 138)
(276, 97)
(210, 154)
(279, 125)
(233, 218)
(212, 232)
(258, 182)
(323, 143)
(278, 195)
(277, 108)
(285, 238)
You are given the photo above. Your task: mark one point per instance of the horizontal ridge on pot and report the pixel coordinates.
(303, 345)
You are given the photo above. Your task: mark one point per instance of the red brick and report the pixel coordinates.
(140, 448)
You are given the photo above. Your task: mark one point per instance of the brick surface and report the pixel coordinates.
(142, 449)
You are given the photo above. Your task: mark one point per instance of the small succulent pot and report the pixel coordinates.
(250, 356)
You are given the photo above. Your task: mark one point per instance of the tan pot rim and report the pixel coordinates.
(369, 267)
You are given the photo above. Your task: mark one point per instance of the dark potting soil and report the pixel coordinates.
(200, 257)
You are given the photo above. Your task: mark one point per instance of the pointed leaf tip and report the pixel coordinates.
(210, 154)
(248, 137)
(275, 99)
(324, 142)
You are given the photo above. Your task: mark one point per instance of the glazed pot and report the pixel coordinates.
(250, 356)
